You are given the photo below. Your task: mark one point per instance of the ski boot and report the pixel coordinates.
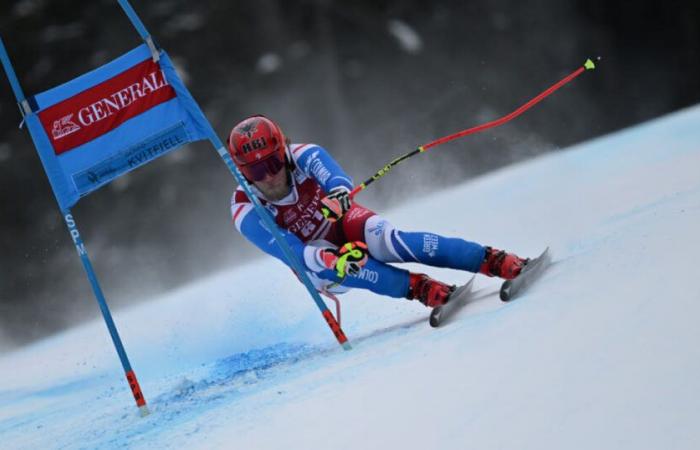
(429, 292)
(498, 263)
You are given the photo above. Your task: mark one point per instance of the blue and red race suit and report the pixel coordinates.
(300, 221)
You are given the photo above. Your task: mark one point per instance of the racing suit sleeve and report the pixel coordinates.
(252, 228)
(376, 276)
(316, 162)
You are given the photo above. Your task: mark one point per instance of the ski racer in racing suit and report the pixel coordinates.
(341, 243)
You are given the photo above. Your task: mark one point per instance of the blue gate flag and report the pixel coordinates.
(111, 120)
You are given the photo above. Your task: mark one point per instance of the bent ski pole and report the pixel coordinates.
(588, 65)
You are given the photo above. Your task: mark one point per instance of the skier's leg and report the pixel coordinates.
(381, 278)
(388, 244)
(376, 276)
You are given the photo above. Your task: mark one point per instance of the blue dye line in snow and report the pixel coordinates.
(241, 369)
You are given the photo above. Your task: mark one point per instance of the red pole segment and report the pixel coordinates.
(588, 65)
(510, 116)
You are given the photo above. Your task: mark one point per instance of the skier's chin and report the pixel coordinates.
(274, 189)
(276, 194)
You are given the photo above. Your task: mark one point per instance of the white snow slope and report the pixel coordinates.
(601, 353)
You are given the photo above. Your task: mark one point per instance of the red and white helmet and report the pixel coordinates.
(257, 146)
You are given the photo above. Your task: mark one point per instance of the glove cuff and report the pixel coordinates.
(339, 189)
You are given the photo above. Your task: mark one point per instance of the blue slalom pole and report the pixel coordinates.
(10, 71)
(262, 212)
(134, 18)
(82, 252)
(284, 246)
(106, 314)
(140, 27)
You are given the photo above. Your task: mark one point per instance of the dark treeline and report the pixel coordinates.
(369, 80)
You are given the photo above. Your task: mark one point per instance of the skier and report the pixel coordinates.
(348, 246)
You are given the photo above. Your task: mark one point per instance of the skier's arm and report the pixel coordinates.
(316, 162)
(251, 227)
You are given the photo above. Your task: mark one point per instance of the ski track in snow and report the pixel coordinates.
(600, 353)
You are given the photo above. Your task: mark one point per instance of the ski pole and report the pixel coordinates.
(588, 65)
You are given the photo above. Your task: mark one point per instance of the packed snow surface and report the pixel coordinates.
(601, 353)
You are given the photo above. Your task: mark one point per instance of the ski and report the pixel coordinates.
(456, 300)
(532, 270)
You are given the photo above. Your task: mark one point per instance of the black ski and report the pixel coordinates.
(532, 270)
(457, 299)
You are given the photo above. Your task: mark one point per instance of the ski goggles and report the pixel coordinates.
(258, 170)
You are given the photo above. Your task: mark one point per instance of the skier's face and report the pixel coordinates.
(274, 186)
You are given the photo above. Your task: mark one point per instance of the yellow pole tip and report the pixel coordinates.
(589, 65)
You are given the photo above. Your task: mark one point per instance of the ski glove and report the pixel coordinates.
(346, 260)
(336, 203)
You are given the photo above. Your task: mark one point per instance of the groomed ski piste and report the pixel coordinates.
(602, 352)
